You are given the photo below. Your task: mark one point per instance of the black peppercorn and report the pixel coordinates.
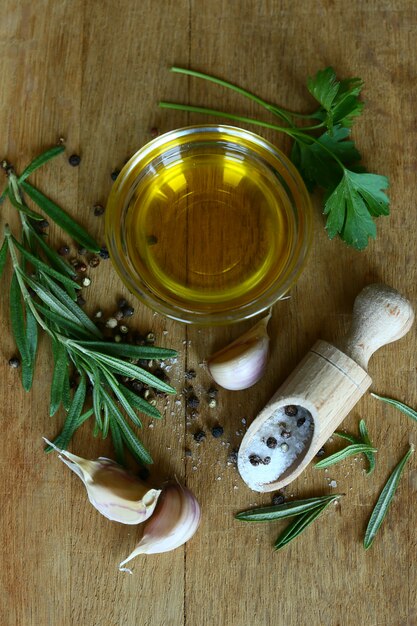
(277, 499)
(98, 210)
(82, 250)
(188, 452)
(285, 434)
(255, 460)
(104, 253)
(266, 460)
(190, 374)
(63, 250)
(212, 392)
(80, 300)
(74, 160)
(199, 436)
(300, 421)
(94, 261)
(193, 402)
(291, 410)
(321, 452)
(128, 311)
(271, 442)
(217, 431)
(14, 362)
(114, 174)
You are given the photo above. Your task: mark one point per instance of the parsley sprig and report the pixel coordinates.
(43, 296)
(323, 152)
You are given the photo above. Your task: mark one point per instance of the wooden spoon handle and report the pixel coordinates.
(381, 315)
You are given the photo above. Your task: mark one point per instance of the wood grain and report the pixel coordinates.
(93, 72)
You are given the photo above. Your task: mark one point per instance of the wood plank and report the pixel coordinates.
(92, 73)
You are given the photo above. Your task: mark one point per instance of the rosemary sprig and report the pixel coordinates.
(404, 408)
(354, 448)
(364, 438)
(282, 511)
(384, 501)
(304, 511)
(300, 524)
(42, 294)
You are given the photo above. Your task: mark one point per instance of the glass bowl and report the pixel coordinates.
(208, 224)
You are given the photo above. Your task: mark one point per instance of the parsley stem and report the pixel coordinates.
(282, 113)
(240, 118)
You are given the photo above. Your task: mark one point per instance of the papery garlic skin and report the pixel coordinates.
(175, 520)
(112, 490)
(243, 362)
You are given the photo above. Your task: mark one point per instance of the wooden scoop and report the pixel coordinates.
(320, 392)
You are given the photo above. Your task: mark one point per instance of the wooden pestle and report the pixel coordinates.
(330, 380)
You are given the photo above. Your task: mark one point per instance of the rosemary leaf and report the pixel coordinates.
(73, 308)
(50, 300)
(398, 405)
(133, 371)
(73, 414)
(347, 436)
(23, 208)
(117, 439)
(282, 511)
(77, 423)
(18, 320)
(60, 368)
(123, 400)
(64, 324)
(43, 267)
(299, 525)
(130, 351)
(61, 218)
(40, 160)
(28, 367)
(135, 446)
(3, 256)
(141, 404)
(384, 501)
(365, 438)
(354, 448)
(66, 390)
(56, 261)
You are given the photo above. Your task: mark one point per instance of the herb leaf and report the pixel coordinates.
(40, 160)
(117, 439)
(128, 369)
(350, 207)
(299, 525)
(384, 501)
(339, 100)
(130, 351)
(282, 511)
(18, 320)
(316, 162)
(62, 218)
(73, 414)
(3, 256)
(407, 410)
(365, 438)
(60, 370)
(28, 367)
(354, 448)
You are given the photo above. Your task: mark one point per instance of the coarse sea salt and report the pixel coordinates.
(277, 444)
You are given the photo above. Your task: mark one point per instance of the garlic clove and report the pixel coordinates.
(242, 363)
(175, 520)
(112, 490)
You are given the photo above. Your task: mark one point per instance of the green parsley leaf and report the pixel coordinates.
(351, 206)
(316, 162)
(339, 99)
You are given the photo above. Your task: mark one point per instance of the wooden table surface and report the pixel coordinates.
(92, 72)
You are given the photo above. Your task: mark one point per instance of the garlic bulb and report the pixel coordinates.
(242, 363)
(113, 491)
(175, 520)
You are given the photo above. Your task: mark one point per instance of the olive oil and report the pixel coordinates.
(210, 231)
